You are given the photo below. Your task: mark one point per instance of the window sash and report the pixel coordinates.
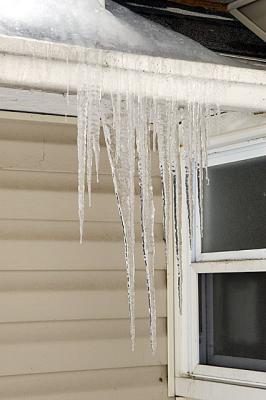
(188, 324)
(207, 335)
(241, 382)
(223, 155)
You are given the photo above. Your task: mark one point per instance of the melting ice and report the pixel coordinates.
(181, 131)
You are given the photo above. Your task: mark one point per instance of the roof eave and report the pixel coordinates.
(32, 64)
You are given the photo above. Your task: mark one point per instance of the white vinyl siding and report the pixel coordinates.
(64, 329)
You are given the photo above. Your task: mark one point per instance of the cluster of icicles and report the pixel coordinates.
(134, 126)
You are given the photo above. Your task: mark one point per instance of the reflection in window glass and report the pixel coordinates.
(233, 320)
(234, 206)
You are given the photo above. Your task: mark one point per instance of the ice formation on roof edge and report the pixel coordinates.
(181, 133)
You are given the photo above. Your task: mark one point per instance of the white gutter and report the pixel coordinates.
(32, 64)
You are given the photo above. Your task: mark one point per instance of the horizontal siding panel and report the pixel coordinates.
(49, 156)
(45, 205)
(54, 296)
(61, 181)
(71, 280)
(77, 345)
(42, 156)
(49, 255)
(78, 331)
(25, 131)
(67, 230)
(124, 383)
(118, 393)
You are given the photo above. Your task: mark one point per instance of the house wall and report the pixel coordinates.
(64, 331)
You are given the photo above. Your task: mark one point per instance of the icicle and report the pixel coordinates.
(161, 126)
(153, 140)
(123, 170)
(67, 89)
(207, 113)
(82, 146)
(177, 198)
(175, 149)
(147, 210)
(181, 134)
(205, 131)
(88, 110)
(116, 102)
(190, 147)
(203, 166)
(93, 92)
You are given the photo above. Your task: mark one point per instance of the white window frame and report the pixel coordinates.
(192, 379)
(223, 155)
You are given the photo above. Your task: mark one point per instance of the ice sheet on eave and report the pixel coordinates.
(86, 23)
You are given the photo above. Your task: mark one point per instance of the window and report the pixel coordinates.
(232, 320)
(234, 206)
(221, 334)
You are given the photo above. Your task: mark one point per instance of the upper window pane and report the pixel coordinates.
(234, 208)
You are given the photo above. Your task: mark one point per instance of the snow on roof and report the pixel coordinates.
(87, 23)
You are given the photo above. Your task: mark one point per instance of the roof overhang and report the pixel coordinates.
(32, 64)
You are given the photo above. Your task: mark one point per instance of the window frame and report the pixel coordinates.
(236, 362)
(192, 379)
(223, 155)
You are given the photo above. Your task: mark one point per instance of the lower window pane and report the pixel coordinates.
(233, 320)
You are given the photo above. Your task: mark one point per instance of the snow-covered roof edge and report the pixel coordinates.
(46, 66)
(88, 24)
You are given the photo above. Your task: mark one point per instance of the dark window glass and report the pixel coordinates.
(234, 206)
(233, 320)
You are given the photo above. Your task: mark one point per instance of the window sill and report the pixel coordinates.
(198, 389)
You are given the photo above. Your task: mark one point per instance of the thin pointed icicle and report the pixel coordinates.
(123, 170)
(153, 140)
(67, 89)
(190, 138)
(82, 146)
(203, 162)
(116, 102)
(93, 92)
(161, 126)
(147, 211)
(88, 110)
(177, 198)
(175, 155)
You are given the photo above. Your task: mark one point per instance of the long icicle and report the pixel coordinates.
(147, 210)
(123, 168)
(161, 126)
(93, 94)
(82, 146)
(175, 155)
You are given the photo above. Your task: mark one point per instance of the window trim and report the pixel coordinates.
(193, 379)
(233, 153)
